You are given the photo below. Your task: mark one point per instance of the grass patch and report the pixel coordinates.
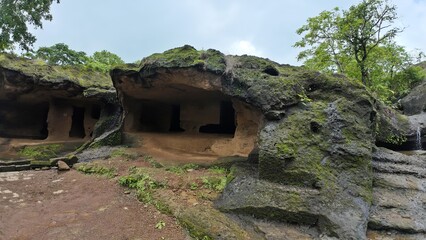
(123, 153)
(94, 169)
(152, 161)
(42, 152)
(143, 183)
(215, 183)
(183, 168)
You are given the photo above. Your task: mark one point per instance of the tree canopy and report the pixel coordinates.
(16, 16)
(359, 42)
(62, 54)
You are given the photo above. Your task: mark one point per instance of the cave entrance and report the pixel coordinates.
(77, 123)
(227, 121)
(23, 120)
(178, 121)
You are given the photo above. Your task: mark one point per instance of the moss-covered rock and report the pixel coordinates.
(36, 73)
(392, 128)
(317, 135)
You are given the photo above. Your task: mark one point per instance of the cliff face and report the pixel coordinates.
(313, 133)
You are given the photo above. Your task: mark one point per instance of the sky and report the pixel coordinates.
(267, 28)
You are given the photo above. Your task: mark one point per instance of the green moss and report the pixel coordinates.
(391, 126)
(56, 74)
(112, 139)
(41, 152)
(41, 163)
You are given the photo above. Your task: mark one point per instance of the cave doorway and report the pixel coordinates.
(77, 125)
(24, 120)
(175, 119)
(226, 123)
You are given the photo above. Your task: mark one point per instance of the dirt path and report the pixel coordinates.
(47, 205)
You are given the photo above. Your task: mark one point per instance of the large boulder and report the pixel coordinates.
(314, 139)
(415, 101)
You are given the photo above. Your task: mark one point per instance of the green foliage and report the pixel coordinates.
(152, 161)
(103, 61)
(215, 183)
(123, 153)
(61, 54)
(95, 169)
(42, 152)
(160, 225)
(183, 168)
(218, 170)
(39, 69)
(359, 43)
(16, 16)
(143, 183)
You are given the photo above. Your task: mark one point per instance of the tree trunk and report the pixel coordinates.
(364, 73)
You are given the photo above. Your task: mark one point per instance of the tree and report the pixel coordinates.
(16, 15)
(357, 32)
(61, 54)
(103, 61)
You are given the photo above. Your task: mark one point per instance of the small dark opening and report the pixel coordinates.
(315, 127)
(96, 112)
(77, 125)
(227, 121)
(271, 71)
(175, 119)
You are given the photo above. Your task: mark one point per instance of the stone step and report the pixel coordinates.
(11, 168)
(398, 209)
(388, 156)
(383, 167)
(397, 219)
(393, 235)
(399, 181)
(15, 162)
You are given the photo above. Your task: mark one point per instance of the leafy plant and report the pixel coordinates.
(359, 42)
(218, 170)
(15, 18)
(143, 183)
(193, 186)
(90, 168)
(160, 225)
(183, 168)
(215, 183)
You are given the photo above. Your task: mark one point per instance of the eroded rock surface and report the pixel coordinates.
(314, 132)
(399, 193)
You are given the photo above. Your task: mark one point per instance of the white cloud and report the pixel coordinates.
(244, 47)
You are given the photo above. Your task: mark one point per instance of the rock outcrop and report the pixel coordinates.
(314, 132)
(53, 104)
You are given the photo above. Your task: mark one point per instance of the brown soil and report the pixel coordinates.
(71, 205)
